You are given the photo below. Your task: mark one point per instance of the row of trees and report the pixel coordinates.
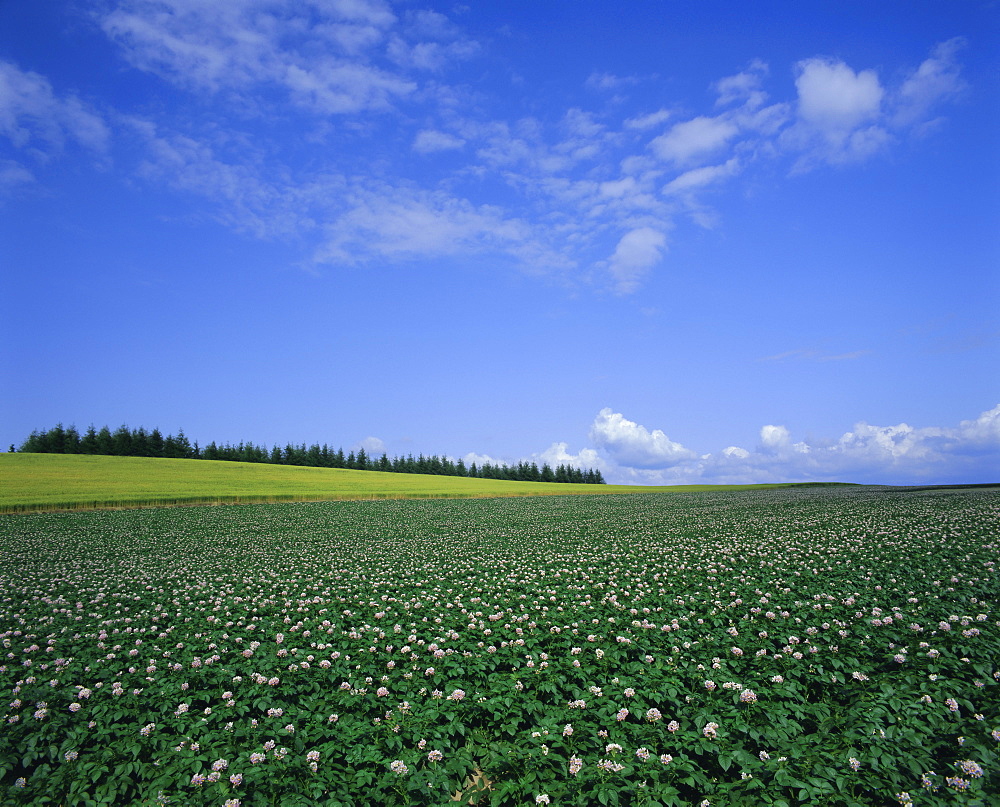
(126, 442)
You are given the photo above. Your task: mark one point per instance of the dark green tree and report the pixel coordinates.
(89, 445)
(122, 442)
(156, 444)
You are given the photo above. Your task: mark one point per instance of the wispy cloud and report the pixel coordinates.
(638, 251)
(337, 57)
(431, 140)
(812, 354)
(609, 81)
(582, 189)
(402, 222)
(694, 139)
(935, 80)
(41, 122)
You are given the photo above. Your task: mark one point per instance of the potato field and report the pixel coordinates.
(777, 647)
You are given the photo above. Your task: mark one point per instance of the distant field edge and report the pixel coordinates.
(31, 483)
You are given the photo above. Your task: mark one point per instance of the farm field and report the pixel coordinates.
(33, 482)
(804, 646)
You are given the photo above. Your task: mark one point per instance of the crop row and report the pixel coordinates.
(787, 647)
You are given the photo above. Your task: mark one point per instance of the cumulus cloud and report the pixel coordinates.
(895, 454)
(774, 438)
(839, 111)
(373, 446)
(558, 454)
(984, 431)
(833, 97)
(631, 444)
(481, 459)
(637, 252)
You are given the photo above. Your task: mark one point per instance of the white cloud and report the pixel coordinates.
(698, 178)
(34, 117)
(428, 141)
(371, 12)
(832, 97)
(430, 56)
(775, 438)
(578, 184)
(839, 112)
(936, 79)
(984, 431)
(609, 81)
(401, 223)
(648, 121)
(558, 454)
(812, 354)
(694, 139)
(330, 57)
(245, 199)
(373, 446)
(480, 460)
(618, 188)
(637, 252)
(897, 454)
(630, 444)
(743, 88)
(338, 88)
(13, 174)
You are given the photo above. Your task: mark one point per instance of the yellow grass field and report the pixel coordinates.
(32, 482)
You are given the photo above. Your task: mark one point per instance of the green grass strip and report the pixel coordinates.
(37, 482)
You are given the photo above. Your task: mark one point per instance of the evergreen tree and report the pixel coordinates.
(71, 441)
(140, 443)
(55, 440)
(31, 444)
(105, 442)
(156, 445)
(88, 445)
(122, 442)
(177, 447)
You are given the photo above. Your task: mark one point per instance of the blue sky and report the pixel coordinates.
(678, 241)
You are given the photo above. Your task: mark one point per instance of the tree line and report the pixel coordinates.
(126, 442)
